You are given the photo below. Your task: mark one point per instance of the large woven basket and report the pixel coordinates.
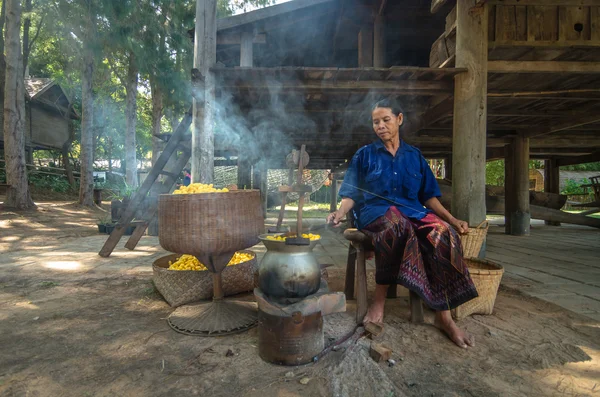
(210, 223)
(486, 276)
(180, 287)
(473, 240)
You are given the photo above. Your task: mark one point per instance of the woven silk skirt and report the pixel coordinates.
(423, 255)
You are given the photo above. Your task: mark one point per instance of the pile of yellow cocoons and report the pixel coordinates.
(199, 188)
(190, 262)
(310, 236)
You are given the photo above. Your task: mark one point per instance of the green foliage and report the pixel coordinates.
(494, 173)
(583, 167)
(574, 187)
(55, 183)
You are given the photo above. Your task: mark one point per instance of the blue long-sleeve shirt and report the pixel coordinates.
(406, 179)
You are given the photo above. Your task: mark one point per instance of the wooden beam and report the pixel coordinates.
(436, 87)
(236, 38)
(542, 67)
(470, 113)
(267, 12)
(549, 3)
(569, 124)
(365, 47)
(590, 158)
(436, 5)
(510, 94)
(545, 44)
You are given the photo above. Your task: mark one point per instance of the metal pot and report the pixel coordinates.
(288, 271)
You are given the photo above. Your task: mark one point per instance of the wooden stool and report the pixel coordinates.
(359, 244)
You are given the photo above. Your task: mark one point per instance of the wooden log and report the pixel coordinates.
(470, 110)
(509, 185)
(520, 216)
(379, 352)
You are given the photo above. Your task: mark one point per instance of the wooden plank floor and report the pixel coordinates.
(558, 264)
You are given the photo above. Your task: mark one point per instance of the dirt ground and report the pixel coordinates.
(81, 334)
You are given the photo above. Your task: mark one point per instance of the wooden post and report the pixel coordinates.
(379, 42)
(246, 57)
(520, 217)
(470, 113)
(365, 47)
(244, 176)
(448, 167)
(205, 56)
(551, 181)
(509, 184)
(333, 199)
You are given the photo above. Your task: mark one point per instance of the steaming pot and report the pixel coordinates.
(288, 271)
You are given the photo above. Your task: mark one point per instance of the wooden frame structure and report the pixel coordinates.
(505, 79)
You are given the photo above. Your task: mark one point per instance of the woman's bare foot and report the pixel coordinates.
(443, 320)
(375, 312)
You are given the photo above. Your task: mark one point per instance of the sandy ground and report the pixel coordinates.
(105, 334)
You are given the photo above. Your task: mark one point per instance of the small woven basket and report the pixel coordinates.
(180, 287)
(473, 240)
(486, 276)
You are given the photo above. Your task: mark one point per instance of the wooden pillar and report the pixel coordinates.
(244, 176)
(520, 216)
(365, 46)
(259, 181)
(470, 113)
(246, 54)
(379, 42)
(509, 185)
(551, 182)
(334, 192)
(205, 56)
(448, 167)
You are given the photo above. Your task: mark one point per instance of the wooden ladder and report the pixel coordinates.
(152, 187)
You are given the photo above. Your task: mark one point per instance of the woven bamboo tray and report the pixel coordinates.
(486, 276)
(180, 287)
(473, 240)
(210, 223)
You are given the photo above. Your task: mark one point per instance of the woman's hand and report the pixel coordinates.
(461, 226)
(335, 218)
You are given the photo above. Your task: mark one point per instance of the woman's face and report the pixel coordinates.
(386, 124)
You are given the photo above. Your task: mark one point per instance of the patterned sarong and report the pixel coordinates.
(423, 255)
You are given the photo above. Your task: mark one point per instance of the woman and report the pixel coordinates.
(393, 195)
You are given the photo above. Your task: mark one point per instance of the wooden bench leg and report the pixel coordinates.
(392, 291)
(350, 273)
(416, 308)
(361, 294)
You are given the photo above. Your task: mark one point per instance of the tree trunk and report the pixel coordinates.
(26, 28)
(109, 155)
(157, 113)
(14, 113)
(86, 183)
(130, 114)
(2, 59)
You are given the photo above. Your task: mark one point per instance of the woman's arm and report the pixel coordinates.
(345, 206)
(437, 207)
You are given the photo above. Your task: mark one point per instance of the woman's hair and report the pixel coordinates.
(389, 104)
